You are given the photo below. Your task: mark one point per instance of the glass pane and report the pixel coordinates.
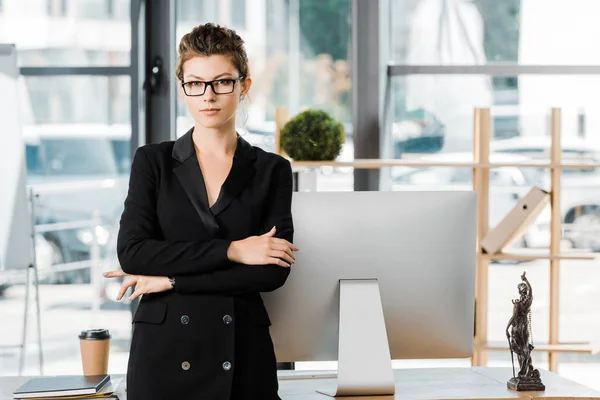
(238, 14)
(68, 33)
(579, 291)
(77, 135)
(484, 31)
(77, 99)
(76, 127)
(433, 119)
(433, 113)
(77, 138)
(293, 64)
(299, 58)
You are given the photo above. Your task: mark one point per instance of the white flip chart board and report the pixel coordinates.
(15, 218)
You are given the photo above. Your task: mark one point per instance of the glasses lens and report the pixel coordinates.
(223, 86)
(194, 88)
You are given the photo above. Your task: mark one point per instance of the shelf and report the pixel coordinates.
(531, 255)
(584, 348)
(544, 164)
(379, 163)
(416, 162)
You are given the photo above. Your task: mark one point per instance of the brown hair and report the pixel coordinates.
(212, 39)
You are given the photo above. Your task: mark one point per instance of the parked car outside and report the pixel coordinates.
(77, 169)
(580, 188)
(507, 186)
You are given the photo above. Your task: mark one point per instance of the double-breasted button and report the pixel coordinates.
(185, 365)
(226, 365)
(227, 319)
(185, 319)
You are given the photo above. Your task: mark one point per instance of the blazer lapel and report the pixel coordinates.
(242, 170)
(189, 174)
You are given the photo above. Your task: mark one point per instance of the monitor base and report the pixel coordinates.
(364, 361)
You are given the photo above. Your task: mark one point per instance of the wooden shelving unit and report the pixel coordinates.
(534, 255)
(482, 133)
(481, 140)
(584, 348)
(381, 163)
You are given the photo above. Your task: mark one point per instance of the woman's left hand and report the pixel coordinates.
(143, 284)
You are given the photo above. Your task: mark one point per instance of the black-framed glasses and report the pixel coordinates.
(219, 86)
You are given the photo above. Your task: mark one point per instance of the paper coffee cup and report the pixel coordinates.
(95, 348)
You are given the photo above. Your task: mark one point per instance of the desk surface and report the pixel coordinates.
(411, 384)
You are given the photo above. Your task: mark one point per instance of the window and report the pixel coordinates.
(320, 79)
(78, 99)
(33, 160)
(88, 157)
(488, 36)
(194, 11)
(122, 153)
(77, 128)
(93, 9)
(97, 33)
(57, 8)
(238, 14)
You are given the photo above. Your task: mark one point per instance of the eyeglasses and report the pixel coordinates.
(219, 86)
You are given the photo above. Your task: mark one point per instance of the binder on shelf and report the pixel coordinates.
(511, 227)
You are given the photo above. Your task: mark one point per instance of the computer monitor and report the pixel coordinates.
(406, 258)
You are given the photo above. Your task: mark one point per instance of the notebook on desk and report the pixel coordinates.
(61, 386)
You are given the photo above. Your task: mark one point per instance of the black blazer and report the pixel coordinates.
(209, 338)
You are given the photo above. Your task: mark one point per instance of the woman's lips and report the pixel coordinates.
(209, 111)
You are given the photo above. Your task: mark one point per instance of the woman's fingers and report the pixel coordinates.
(284, 248)
(285, 242)
(115, 274)
(277, 261)
(137, 293)
(127, 283)
(281, 255)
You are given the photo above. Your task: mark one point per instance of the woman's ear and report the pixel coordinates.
(246, 84)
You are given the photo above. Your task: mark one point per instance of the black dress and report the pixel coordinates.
(209, 338)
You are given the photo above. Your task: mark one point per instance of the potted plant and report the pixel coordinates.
(312, 135)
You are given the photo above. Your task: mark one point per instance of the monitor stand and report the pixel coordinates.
(364, 361)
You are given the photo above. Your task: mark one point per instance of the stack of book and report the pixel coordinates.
(67, 387)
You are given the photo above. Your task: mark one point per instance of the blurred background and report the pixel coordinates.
(403, 76)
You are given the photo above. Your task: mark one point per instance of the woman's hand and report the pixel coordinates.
(143, 284)
(264, 249)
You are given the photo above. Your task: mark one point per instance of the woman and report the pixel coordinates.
(207, 226)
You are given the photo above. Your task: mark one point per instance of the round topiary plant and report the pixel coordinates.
(312, 135)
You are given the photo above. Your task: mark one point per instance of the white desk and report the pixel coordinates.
(411, 384)
(450, 383)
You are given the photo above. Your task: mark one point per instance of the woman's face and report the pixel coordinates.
(211, 110)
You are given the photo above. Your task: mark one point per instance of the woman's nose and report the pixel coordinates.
(209, 94)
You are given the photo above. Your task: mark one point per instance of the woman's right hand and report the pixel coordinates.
(263, 249)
